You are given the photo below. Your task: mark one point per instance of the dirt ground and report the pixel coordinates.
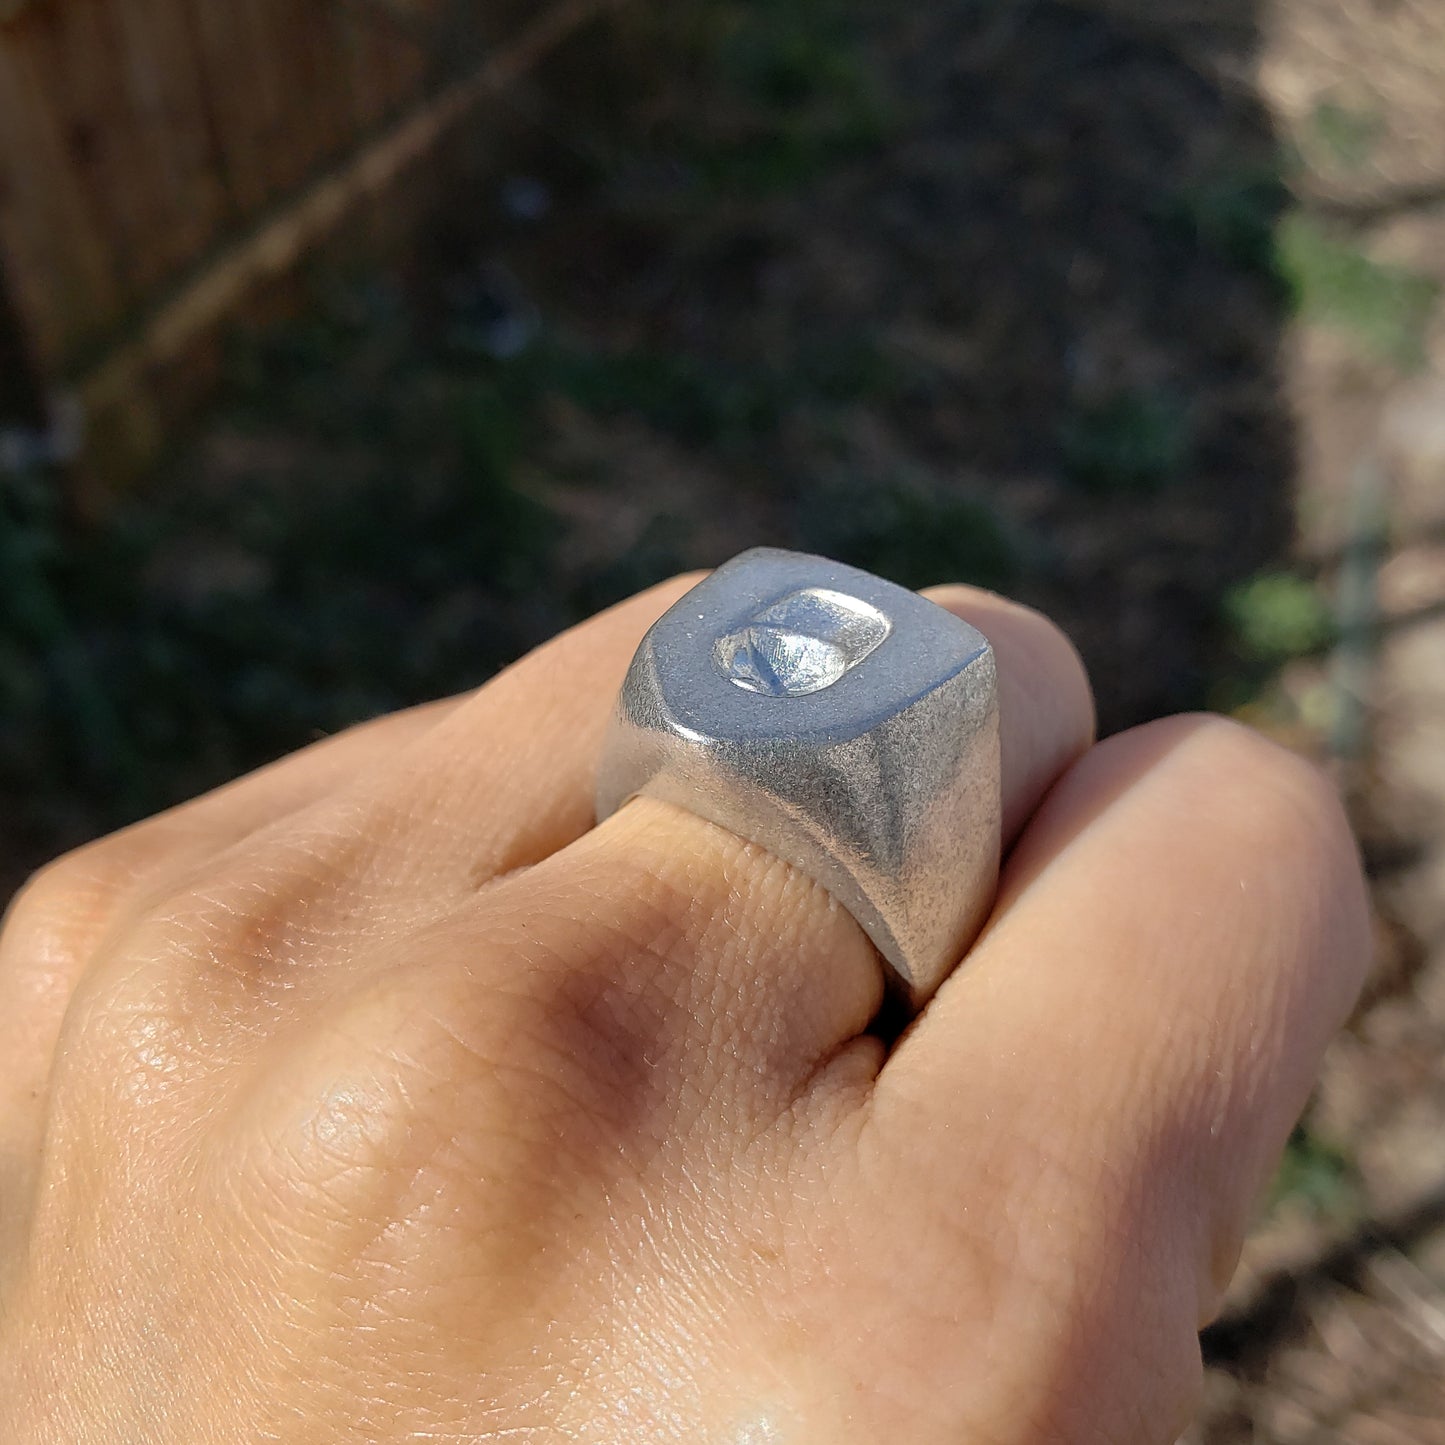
(1336, 1330)
(1130, 309)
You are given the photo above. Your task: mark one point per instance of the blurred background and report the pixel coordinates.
(348, 348)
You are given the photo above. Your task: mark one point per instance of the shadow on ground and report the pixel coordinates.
(1028, 334)
(950, 291)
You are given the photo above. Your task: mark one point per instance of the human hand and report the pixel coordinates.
(379, 1097)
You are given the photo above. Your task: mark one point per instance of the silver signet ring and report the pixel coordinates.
(845, 724)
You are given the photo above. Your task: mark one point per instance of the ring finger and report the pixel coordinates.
(505, 780)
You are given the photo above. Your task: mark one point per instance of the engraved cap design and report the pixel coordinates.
(802, 643)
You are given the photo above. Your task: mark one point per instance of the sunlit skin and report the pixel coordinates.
(380, 1097)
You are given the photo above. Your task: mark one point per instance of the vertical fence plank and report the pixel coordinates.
(305, 107)
(328, 64)
(121, 84)
(268, 99)
(75, 54)
(401, 37)
(160, 65)
(363, 54)
(396, 50)
(233, 77)
(292, 137)
(59, 257)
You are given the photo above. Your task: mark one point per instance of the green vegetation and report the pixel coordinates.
(1135, 443)
(1233, 213)
(787, 86)
(1315, 1175)
(809, 95)
(1327, 279)
(1333, 283)
(1279, 616)
(703, 402)
(909, 529)
(184, 642)
(696, 402)
(58, 720)
(1346, 135)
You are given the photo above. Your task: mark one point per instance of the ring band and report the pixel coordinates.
(845, 724)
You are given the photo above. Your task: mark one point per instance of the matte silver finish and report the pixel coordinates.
(843, 723)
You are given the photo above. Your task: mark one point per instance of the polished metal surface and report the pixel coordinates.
(843, 723)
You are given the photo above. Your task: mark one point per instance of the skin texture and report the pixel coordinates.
(378, 1096)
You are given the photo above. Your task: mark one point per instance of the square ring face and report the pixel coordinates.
(846, 725)
(778, 645)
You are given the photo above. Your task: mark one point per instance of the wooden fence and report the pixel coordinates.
(161, 158)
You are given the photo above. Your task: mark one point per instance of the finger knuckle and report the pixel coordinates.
(1288, 801)
(60, 906)
(267, 911)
